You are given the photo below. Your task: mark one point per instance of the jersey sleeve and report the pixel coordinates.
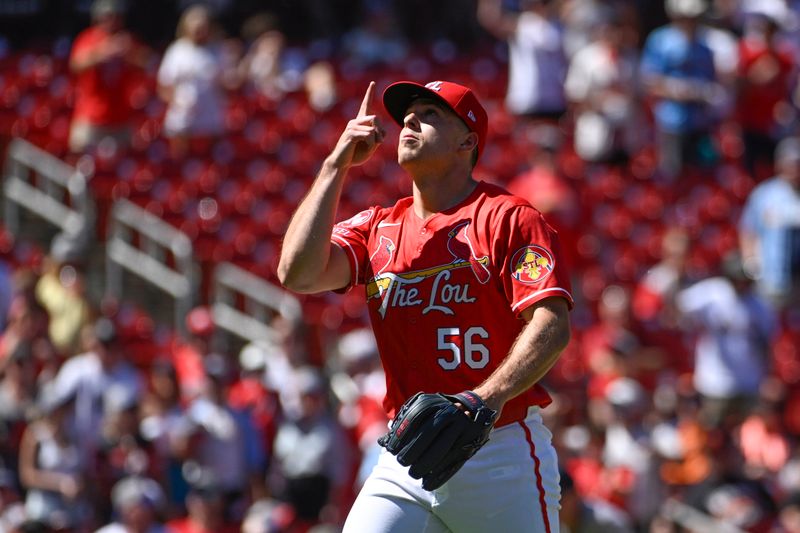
(352, 236)
(533, 265)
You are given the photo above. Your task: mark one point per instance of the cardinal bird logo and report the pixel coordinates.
(460, 247)
(396, 288)
(382, 257)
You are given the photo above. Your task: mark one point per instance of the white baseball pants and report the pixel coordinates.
(511, 484)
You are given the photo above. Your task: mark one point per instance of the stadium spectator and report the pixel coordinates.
(359, 384)
(189, 354)
(311, 454)
(121, 450)
(617, 345)
(376, 41)
(89, 375)
(18, 389)
(196, 70)
(320, 85)
(678, 73)
(734, 328)
(537, 62)
(249, 394)
(165, 424)
(106, 61)
(268, 64)
(206, 510)
(763, 440)
(767, 68)
(61, 290)
(716, 32)
(227, 447)
(138, 501)
(601, 84)
(51, 465)
(26, 328)
(543, 184)
(653, 297)
(627, 452)
(589, 515)
(730, 496)
(769, 229)
(268, 515)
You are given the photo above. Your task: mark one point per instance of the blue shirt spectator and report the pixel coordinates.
(684, 65)
(770, 228)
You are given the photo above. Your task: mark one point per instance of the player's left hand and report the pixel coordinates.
(435, 437)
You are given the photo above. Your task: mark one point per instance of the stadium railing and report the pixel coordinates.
(48, 188)
(245, 304)
(158, 253)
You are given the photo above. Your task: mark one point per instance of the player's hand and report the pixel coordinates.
(361, 137)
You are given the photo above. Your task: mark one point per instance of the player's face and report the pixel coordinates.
(430, 131)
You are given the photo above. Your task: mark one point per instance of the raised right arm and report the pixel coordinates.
(309, 263)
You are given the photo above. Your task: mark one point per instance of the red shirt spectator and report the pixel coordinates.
(765, 70)
(106, 62)
(188, 355)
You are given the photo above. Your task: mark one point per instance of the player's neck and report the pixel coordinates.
(431, 197)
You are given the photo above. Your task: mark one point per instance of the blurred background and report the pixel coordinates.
(154, 376)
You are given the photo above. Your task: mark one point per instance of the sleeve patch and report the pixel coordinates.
(357, 219)
(532, 264)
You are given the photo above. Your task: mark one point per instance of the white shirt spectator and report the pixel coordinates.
(85, 376)
(537, 66)
(734, 330)
(193, 72)
(602, 79)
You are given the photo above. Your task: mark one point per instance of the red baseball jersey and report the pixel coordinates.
(445, 294)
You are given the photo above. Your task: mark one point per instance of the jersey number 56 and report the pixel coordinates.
(474, 354)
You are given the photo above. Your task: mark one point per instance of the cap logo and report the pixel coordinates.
(471, 116)
(434, 86)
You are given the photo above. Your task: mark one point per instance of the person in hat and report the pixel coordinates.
(466, 290)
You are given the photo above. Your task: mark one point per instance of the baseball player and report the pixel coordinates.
(466, 293)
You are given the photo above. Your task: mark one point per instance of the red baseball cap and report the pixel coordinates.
(398, 96)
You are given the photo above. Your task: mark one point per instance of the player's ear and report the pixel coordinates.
(469, 142)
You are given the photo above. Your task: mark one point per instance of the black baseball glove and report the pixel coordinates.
(434, 437)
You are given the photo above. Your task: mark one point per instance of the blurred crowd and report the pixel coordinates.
(661, 141)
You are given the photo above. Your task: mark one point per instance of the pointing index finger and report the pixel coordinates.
(366, 104)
